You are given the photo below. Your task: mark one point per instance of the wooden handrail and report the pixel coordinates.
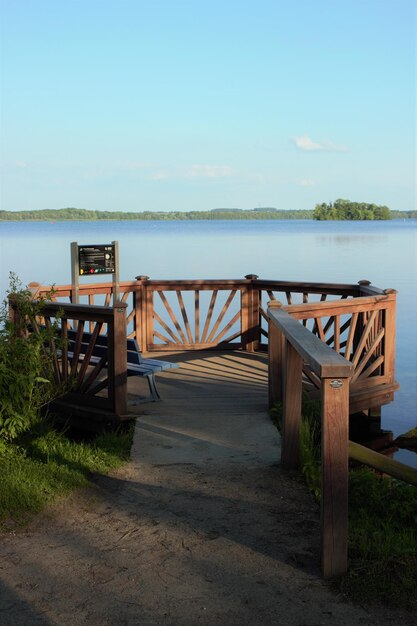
(82, 311)
(324, 361)
(338, 307)
(367, 289)
(310, 287)
(290, 345)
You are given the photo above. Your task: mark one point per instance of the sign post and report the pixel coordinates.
(93, 260)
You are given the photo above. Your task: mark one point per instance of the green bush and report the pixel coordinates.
(26, 366)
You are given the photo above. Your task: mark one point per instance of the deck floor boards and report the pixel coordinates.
(213, 402)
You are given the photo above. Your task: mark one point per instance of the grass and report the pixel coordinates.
(45, 464)
(382, 540)
(382, 524)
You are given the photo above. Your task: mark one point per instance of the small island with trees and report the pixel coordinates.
(338, 210)
(347, 210)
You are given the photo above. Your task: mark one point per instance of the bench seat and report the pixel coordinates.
(137, 365)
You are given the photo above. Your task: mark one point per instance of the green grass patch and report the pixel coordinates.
(310, 453)
(44, 464)
(382, 540)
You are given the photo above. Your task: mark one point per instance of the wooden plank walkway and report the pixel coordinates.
(215, 406)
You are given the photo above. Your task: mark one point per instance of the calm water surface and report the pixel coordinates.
(383, 252)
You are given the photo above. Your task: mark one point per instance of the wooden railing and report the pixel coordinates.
(196, 314)
(291, 346)
(356, 320)
(362, 330)
(177, 314)
(97, 392)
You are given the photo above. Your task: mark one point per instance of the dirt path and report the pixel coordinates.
(175, 544)
(202, 527)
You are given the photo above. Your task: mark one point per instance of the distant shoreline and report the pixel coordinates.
(76, 215)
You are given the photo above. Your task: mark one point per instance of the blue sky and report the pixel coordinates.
(197, 104)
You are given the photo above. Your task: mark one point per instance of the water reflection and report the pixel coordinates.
(351, 240)
(367, 431)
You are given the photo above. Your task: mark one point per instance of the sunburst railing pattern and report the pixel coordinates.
(192, 318)
(360, 330)
(84, 380)
(290, 294)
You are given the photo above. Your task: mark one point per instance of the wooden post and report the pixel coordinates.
(364, 283)
(34, 288)
(118, 369)
(291, 410)
(245, 318)
(75, 268)
(334, 475)
(389, 338)
(140, 322)
(148, 312)
(253, 314)
(275, 360)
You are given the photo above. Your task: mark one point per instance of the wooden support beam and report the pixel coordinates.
(276, 360)
(382, 463)
(334, 476)
(119, 365)
(140, 311)
(291, 411)
(253, 316)
(389, 338)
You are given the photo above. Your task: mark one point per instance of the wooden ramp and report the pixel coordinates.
(214, 407)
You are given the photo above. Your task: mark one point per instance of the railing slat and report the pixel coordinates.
(209, 315)
(221, 316)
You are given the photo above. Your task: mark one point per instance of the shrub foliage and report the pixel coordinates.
(26, 368)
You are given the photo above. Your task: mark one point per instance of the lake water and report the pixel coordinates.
(301, 250)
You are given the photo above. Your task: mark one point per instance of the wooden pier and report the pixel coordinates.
(242, 344)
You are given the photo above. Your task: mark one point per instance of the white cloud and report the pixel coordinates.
(20, 164)
(304, 142)
(307, 182)
(210, 171)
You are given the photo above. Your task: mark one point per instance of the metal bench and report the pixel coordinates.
(137, 365)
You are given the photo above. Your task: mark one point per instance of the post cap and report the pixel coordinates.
(364, 282)
(251, 276)
(274, 304)
(34, 287)
(142, 277)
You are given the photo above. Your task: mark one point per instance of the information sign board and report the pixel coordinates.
(97, 259)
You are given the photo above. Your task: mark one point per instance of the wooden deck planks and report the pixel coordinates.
(215, 406)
